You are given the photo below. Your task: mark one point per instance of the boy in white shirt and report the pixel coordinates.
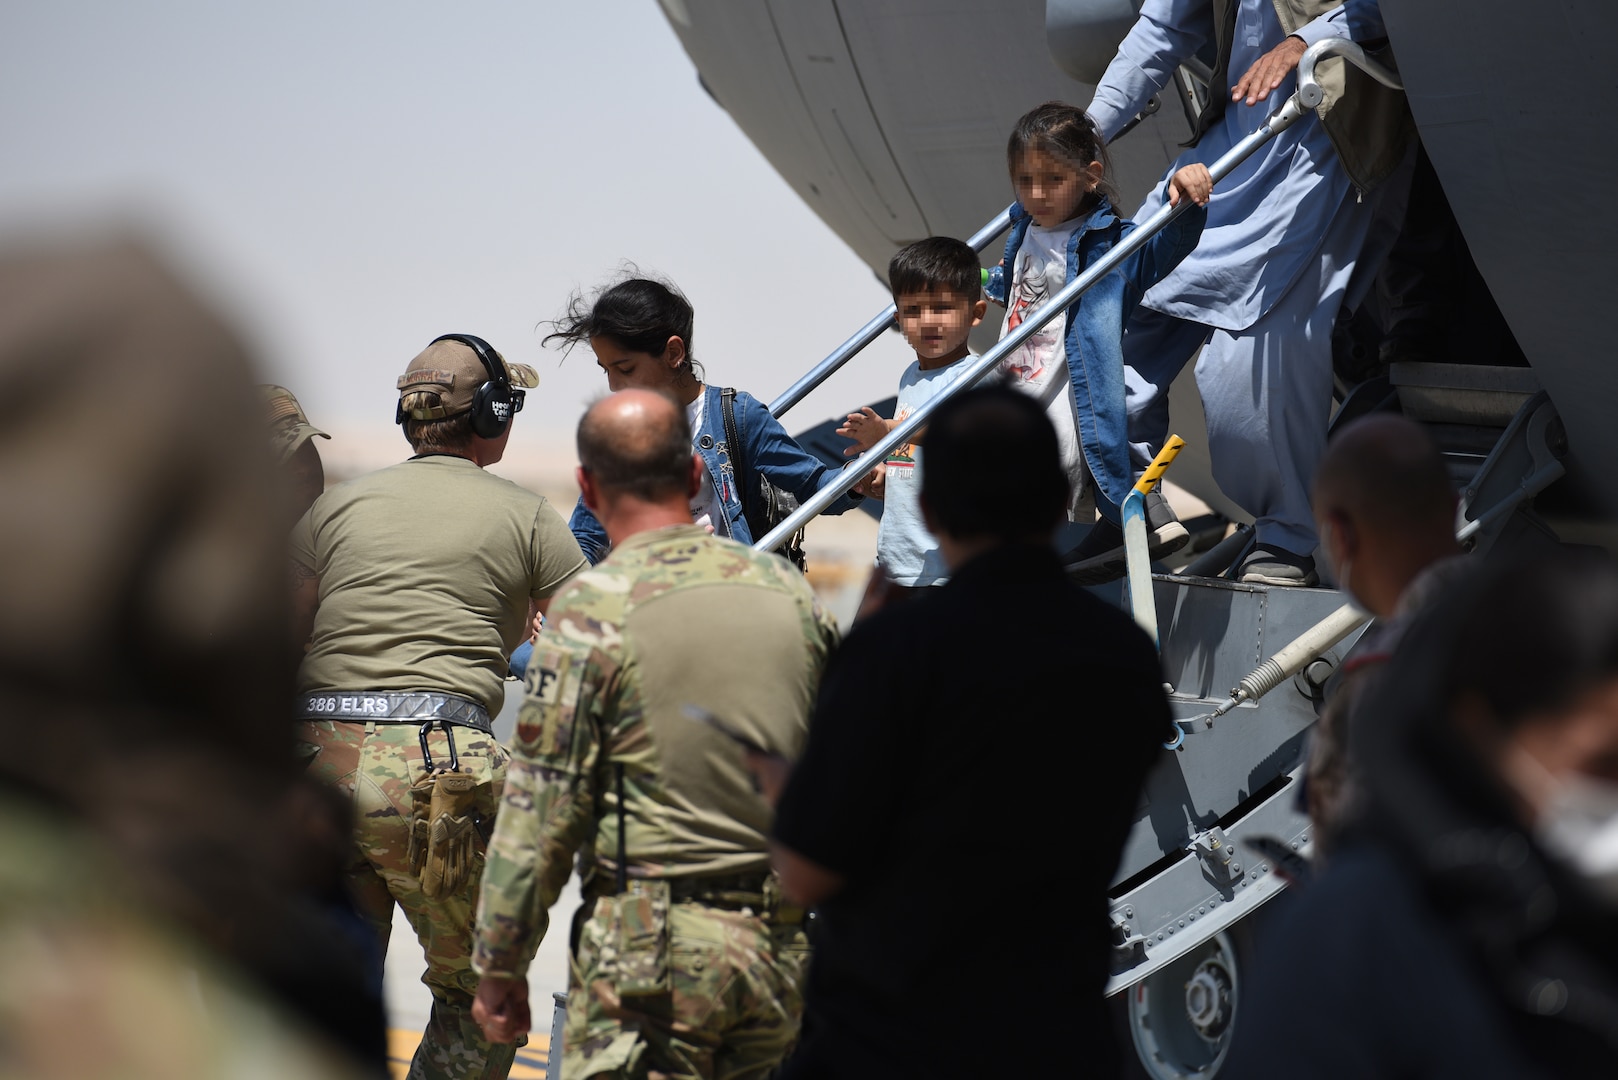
(937, 288)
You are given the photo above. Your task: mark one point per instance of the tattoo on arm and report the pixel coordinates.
(300, 573)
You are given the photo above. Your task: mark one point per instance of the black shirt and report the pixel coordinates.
(1356, 976)
(973, 767)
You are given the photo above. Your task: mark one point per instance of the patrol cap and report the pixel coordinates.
(289, 427)
(444, 376)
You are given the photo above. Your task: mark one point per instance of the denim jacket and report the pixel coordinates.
(769, 450)
(1095, 329)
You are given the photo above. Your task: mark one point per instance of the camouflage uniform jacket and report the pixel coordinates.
(673, 617)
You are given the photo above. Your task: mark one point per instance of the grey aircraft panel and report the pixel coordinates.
(1083, 35)
(926, 92)
(738, 52)
(1518, 108)
(816, 48)
(942, 83)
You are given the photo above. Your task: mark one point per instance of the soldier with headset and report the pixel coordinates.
(412, 585)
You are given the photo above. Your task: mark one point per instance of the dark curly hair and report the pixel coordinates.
(639, 313)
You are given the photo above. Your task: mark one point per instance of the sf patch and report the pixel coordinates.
(544, 685)
(545, 722)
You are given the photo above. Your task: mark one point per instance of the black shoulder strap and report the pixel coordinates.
(737, 453)
(1224, 28)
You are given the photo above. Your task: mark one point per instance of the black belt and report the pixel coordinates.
(734, 892)
(748, 887)
(717, 886)
(392, 707)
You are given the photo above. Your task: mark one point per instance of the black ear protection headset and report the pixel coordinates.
(496, 401)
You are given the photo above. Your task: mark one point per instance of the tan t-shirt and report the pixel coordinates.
(426, 570)
(673, 617)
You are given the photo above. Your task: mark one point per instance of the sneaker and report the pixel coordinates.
(1275, 566)
(1100, 555)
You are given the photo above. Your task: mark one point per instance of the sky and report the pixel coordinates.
(351, 179)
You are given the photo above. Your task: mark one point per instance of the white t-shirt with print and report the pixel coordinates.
(1039, 366)
(706, 509)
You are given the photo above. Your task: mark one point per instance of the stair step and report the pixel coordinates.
(1477, 396)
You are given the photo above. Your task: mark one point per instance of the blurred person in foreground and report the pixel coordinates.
(1467, 923)
(412, 585)
(686, 962)
(148, 923)
(880, 827)
(292, 438)
(1384, 507)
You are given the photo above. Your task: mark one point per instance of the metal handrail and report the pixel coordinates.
(1279, 120)
(871, 330)
(1310, 93)
(1282, 118)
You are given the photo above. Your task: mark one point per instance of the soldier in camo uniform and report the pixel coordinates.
(413, 585)
(686, 963)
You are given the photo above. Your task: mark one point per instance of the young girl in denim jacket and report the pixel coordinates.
(1063, 221)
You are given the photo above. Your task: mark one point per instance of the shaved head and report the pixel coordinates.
(637, 442)
(1384, 472)
(1385, 506)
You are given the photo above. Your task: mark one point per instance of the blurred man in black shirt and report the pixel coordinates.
(973, 768)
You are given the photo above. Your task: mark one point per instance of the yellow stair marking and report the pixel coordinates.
(530, 1064)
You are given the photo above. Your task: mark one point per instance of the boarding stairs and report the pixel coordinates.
(1219, 828)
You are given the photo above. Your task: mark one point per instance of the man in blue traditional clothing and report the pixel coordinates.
(1285, 232)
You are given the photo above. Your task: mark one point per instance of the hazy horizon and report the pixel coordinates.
(351, 182)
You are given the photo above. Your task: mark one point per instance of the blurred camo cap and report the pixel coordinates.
(444, 376)
(289, 427)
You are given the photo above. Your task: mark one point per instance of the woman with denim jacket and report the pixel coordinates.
(640, 332)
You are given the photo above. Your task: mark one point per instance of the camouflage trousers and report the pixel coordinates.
(730, 1012)
(376, 764)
